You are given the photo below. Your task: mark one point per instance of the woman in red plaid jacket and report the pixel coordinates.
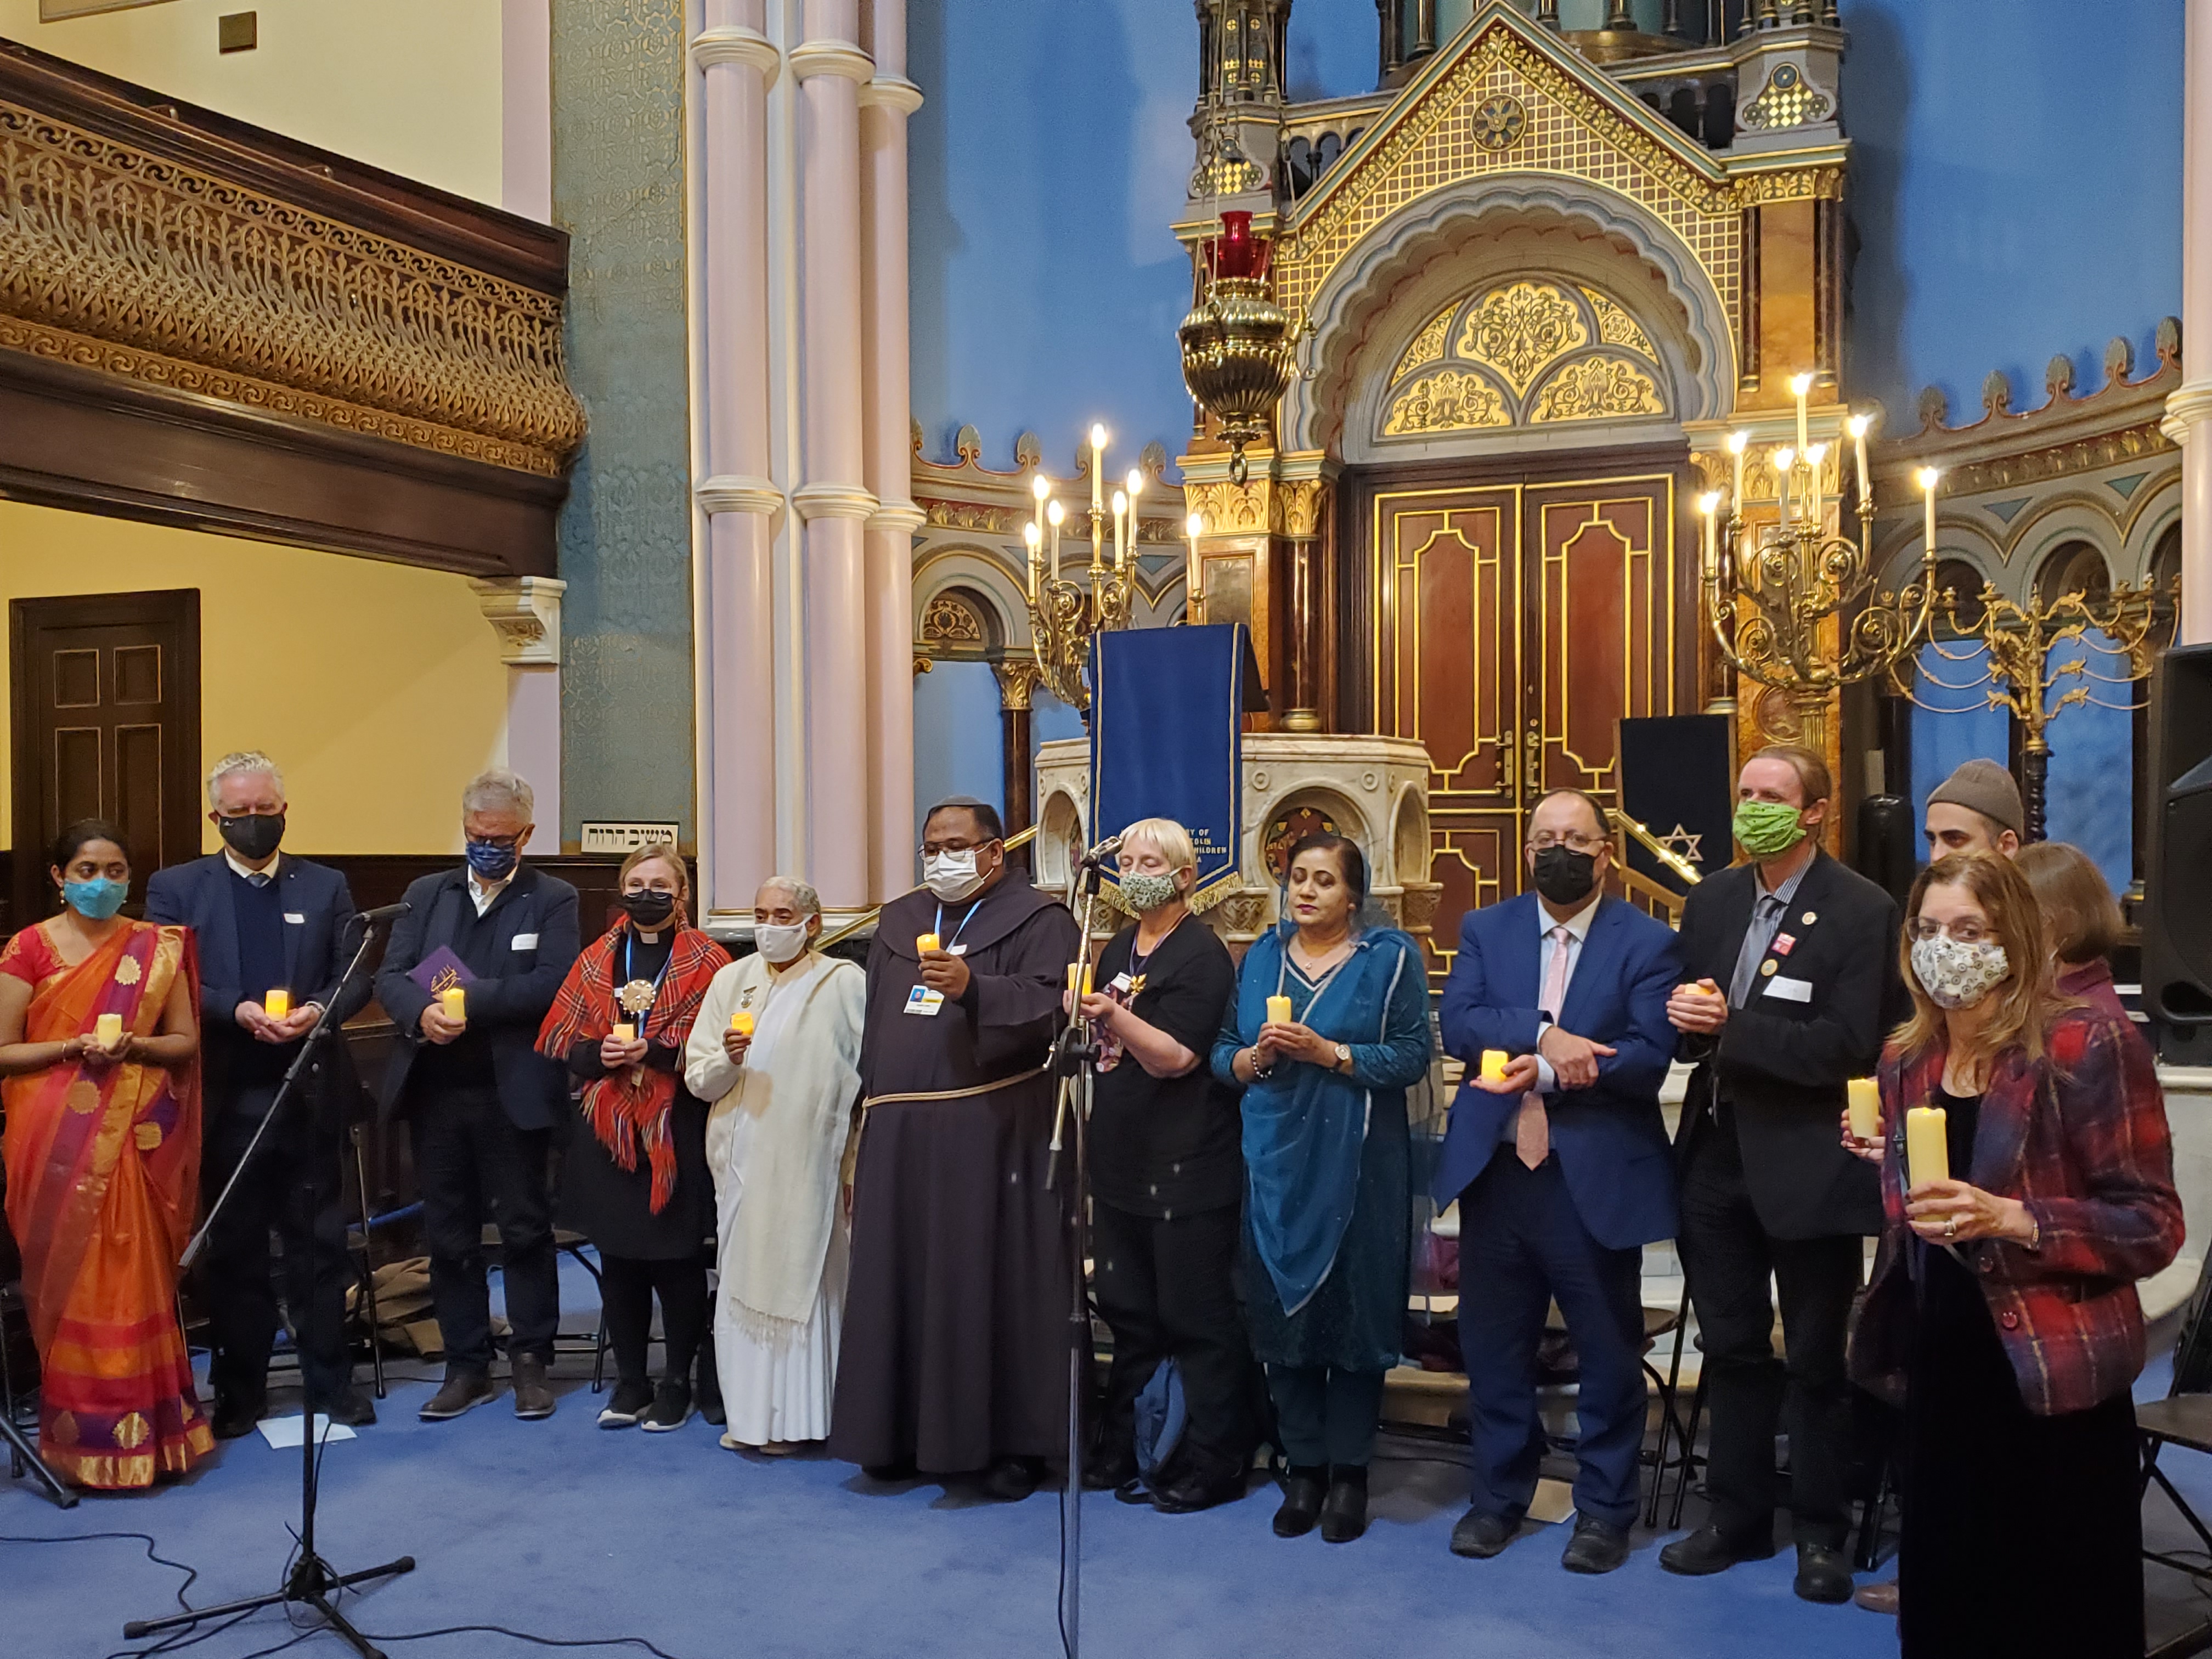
(2003, 1313)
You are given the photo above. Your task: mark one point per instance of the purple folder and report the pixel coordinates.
(439, 969)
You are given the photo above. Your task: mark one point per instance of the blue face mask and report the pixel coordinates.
(95, 900)
(491, 862)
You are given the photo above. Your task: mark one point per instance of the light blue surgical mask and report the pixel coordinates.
(95, 900)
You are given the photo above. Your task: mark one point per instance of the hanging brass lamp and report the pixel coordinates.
(1239, 347)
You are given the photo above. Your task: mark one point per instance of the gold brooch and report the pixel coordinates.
(127, 971)
(636, 996)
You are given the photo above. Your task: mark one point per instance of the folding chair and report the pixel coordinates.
(574, 1245)
(2183, 1418)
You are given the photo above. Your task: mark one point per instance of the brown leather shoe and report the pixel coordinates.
(533, 1399)
(465, 1387)
(1878, 1598)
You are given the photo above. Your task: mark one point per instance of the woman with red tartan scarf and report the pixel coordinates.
(636, 1181)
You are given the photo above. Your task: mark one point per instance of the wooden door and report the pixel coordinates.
(1515, 625)
(105, 690)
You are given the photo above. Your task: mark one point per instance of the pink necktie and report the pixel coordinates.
(1532, 1130)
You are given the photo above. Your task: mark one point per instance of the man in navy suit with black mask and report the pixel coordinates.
(483, 1100)
(269, 923)
(1560, 1165)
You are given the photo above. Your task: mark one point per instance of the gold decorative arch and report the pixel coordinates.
(1527, 352)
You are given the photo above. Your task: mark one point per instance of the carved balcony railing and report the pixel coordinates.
(256, 297)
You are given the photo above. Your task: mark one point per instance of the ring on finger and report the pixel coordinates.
(1951, 1228)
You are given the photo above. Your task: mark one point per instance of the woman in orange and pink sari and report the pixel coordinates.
(99, 1074)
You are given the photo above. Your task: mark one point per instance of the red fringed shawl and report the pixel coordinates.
(632, 1105)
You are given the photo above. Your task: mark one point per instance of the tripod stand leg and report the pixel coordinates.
(25, 1457)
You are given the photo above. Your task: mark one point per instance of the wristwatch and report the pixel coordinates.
(1343, 1056)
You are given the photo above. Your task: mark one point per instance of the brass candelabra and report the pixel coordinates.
(1793, 607)
(1065, 614)
(2014, 644)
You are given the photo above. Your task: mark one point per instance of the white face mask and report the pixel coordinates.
(780, 945)
(951, 876)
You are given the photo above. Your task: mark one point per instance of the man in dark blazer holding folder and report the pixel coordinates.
(1792, 964)
(265, 922)
(482, 1101)
(1561, 1171)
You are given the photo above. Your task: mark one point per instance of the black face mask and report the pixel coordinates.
(649, 909)
(253, 837)
(1562, 875)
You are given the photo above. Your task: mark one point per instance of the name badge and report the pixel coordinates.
(923, 1000)
(295, 919)
(956, 950)
(524, 942)
(1790, 990)
(1122, 983)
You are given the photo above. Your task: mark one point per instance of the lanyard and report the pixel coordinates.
(973, 907)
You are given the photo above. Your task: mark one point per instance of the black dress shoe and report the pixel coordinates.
(1010, 1479)
(1479, 1535)
(1304, 1489)
(235, 1416)
(1198, 1489)
(1709, 1550)
(890, 1473)
(354, 1408)
(1344, 1511)
(707, 1390)
(1823, 1574)
(1597, 1545)
(1104, 1471)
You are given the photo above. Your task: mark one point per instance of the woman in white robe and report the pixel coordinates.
(781, 1118)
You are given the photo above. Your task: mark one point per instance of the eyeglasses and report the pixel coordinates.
(1963, 933)
(505, 843)
(1573, 840)
(931, 848)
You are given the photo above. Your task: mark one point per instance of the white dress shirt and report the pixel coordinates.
(482, 893)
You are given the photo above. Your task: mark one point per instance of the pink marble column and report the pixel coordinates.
(736, 843)
(2189, 411)
(885, 103)
(830, 69)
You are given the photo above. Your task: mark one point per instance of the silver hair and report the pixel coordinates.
(496, 789)
(238, 761)
(803, 898)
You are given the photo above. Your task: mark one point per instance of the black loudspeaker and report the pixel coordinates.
(2177, 912)
(1887, 856)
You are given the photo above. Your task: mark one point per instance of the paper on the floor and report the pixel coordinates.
(283, 1431)
(1553, 1503)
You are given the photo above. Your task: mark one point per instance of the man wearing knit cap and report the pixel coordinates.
(1975, 810)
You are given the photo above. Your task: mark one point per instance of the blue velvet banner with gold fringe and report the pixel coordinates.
(1167, 740)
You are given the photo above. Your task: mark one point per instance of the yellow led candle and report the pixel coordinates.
(108, 1029)
(742, 1021)
(277, 1004)
(1927, 1147)
(1078, 978)
(454, 1000)
(1493, 1065)
(1279, 1010)
(625, 1032)
(924, 944)
(1864, 1099)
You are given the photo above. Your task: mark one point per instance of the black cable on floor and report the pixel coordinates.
(191, 1573)
(519, 1636)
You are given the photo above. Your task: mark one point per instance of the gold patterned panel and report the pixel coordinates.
(1788, 99)
(128, 262)
(1518, 329)
(1449, 400)
(1596, 389)
(1570, 130)
(1428, 345)
(1615, 326)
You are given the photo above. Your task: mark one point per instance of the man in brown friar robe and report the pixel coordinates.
(954, 1357)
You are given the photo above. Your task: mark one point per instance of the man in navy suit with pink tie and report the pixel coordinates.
(1562, 1171)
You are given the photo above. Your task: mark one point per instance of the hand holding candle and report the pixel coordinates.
(277, 1004)
(1493, 1066)
(108, 1031)
(1863, 1098)
(1078, 978)
(1926, 1147)
(454, 1001)
(741, 1022)
(924, 944)
(625, 1032)
(1279, 1010)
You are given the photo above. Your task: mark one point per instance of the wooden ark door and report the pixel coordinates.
(105, 694)
(1514, 625)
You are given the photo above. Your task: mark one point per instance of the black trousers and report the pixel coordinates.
(626, 1284)
(294, 1185)
(1324, 1416)
(1166, 1289)
(1749, 1393)
(473, 1165)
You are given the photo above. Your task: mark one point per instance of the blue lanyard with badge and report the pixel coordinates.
(923, 999)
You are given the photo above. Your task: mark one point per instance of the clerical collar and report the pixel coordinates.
(648, 938)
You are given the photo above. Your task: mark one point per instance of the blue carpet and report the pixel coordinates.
(565, 1530)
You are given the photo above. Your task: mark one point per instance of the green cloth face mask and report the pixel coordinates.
(1768, 827)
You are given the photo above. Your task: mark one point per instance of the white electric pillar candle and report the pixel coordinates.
(1121, 530)
(1857, 427)
(1134, 485)
(1098, 494)
(1040, 487)
(1737, 443)
(1801, 387)
(1054, 515)
(1035, 537)
(1194, 591)
(1926, 477)
(1709, 504)
(1785, 461)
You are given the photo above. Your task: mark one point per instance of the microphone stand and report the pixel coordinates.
(312, 1582)
(1075, 1061)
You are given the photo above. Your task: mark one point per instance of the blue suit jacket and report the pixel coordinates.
(317, 904)
(534, 922)
(1610, 1140)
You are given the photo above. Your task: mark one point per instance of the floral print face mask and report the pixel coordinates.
(1957, 975)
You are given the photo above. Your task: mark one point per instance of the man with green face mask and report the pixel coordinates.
(1791, 983)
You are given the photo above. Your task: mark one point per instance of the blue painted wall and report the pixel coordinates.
(955, 737)
(2015, 189)
(2090, 786)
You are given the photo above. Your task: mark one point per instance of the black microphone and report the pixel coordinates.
(384, 913)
